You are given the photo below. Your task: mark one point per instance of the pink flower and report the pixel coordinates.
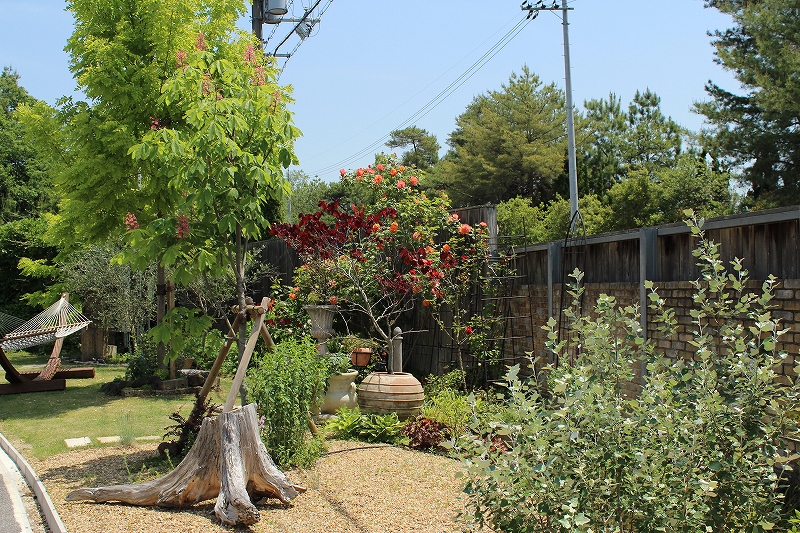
(200, 42)
(342, 172)
(414, 180)
(380, 167)
(401, 184)
(259, 76)
(181, 58)
(130, 222)
(464, 229)
(181, 227)
(250, 54)
(154, 124)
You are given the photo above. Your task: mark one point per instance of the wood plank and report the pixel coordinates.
(33, 386)
(65, 373)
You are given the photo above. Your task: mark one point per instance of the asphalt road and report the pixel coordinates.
(13, 518)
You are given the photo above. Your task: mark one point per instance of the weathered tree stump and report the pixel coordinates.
(228, 461)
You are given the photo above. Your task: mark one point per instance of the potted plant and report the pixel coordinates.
(360, 349)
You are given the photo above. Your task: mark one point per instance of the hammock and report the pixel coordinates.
(9, 323)
(52, 324)
(55, 322)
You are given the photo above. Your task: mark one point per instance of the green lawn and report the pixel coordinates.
(42, 420)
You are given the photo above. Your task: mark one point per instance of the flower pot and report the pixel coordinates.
(341, 392)
(384, 393)
(360, 357)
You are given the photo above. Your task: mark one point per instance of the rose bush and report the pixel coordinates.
(379, 259)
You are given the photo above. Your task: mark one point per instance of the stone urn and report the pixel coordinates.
(321, 324)
(341, 392)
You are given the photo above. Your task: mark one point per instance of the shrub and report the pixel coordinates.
(696, 450)
(451, 408)
(143, 363)
(452, 380)
(205, 348)
(346, 425)
(425, 433)
(352, 424)
(285, 384)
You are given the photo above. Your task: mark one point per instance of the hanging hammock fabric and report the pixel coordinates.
(55, 322)
(9, 323)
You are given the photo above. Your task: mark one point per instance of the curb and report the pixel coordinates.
(45, 503)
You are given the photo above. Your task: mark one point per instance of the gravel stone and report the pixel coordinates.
(354, 488)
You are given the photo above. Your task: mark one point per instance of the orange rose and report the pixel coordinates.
(393, 227)
(446, 248)
(464, 229)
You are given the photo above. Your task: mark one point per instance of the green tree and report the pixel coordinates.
(651, 140)
(25, 188)
(121, 56)
(421, 147)
(23, 238)
(548, 222)
(507, 143)
(305, 196)
(226, 154)
(757, 132)
(600, 164)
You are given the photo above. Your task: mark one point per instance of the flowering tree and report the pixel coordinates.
(381, 259)
(224, 156)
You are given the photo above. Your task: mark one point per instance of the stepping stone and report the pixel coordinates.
(80, 441)
(109, 440)
(148, 437)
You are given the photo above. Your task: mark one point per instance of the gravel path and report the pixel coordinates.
(355, 488)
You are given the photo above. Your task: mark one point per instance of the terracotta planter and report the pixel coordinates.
(360, 357)
(384, 393)
(341, 392)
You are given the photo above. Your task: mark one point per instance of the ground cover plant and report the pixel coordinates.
(698, 449)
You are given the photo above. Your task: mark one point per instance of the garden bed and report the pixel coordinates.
(355, 487)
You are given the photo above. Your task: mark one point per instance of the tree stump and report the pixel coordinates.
(228, 461)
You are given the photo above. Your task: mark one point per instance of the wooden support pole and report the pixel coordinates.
(248, 352)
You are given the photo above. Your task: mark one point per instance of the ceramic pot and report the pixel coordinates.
(384, 393)
(360, 357)
(341, 392)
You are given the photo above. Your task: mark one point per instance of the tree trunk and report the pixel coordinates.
(228, 461)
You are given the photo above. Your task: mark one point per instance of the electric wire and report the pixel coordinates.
(438, 99)
(412, 97)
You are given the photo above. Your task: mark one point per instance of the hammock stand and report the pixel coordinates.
(51, 325)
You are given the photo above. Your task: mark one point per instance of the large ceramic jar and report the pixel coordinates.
(383, 393)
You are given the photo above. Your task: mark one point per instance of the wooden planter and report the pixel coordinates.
(384, 393)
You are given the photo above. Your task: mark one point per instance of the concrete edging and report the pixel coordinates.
(45, 503)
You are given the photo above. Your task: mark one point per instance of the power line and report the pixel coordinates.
(386, 115)
(436, 100)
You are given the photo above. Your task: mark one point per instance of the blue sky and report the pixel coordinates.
(371, 65)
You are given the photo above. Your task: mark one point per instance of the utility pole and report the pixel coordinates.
(258, 18)
(533, 11)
